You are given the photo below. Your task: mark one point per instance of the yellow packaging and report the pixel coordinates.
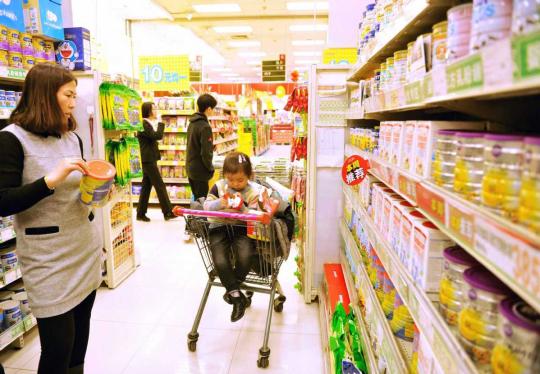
(39, 47)
(4, 58)
(4, 42)
(28, 62)
(49, 51)
(26, 44)
(15, 60)
(441, 27)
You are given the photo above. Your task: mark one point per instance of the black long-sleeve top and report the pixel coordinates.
(14, 197)
(148, 141)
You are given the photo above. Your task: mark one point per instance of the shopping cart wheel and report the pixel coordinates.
(192, 346)
(278, 303)
(192, 341)
(264, 358)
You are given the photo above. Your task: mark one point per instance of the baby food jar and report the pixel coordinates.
(469, 170)
(477, 321)
(456, 261)
(529, 205)
(518, 349)
(503, 163)
(444, 161)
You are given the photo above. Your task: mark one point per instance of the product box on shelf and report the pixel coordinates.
(406, 233)
(407, 157)
(44, 17)
(397, 139)
(73, 52)
(424, 142)
(427, 261)
(11, 14)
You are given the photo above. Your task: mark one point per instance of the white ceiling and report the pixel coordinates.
(270, 21)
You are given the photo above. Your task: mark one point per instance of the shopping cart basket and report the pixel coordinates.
(263, 276)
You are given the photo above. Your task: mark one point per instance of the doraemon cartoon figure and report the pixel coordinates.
(67, 54)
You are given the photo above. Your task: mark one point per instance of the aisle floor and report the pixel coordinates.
(141, 326)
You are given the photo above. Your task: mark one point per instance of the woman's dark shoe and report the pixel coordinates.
(169, 216)
(143, 218)
(239, 307)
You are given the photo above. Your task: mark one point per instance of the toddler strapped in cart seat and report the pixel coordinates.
(237, 193)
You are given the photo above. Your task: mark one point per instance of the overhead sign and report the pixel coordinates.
(274, 70)
(164, 73)
(195, 70)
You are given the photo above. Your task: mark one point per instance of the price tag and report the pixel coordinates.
(427, 87)
(527, 55)
(431, 202)
(6, 234)
(498, 64)
(438, 75)
(445, 358)
(164, 73)
(465, 74)
(413, 302)
(414, 92)
(17, 330)
(427, 322)
(10, 276)
(407, 187)
(461, 222)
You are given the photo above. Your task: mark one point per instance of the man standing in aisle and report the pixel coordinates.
(200, 147)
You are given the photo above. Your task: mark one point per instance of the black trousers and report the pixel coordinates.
(199, 188)
(226, 242)
(152, 178)
(64, 339)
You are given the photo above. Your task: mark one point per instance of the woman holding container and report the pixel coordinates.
(58, 245)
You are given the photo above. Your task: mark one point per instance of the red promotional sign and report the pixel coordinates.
(354, 170)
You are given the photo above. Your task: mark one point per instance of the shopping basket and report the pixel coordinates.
(262, 228)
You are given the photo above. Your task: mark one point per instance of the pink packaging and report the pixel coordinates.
(396, 217)
(495, 24)
(406, 231)
(386, 136)
(460, 12)
(480, 41)
(388, 201)
(407, 158)
(458, 40)
(457, 52)
(398, 130)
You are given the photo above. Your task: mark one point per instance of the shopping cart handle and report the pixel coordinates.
(255, 216)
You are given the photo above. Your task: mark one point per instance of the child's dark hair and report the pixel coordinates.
(206, 101)
(237, 162)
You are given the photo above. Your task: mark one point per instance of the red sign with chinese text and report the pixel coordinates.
(354, 170)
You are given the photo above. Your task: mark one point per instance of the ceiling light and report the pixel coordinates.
(253, 62)
(308, 27)
(221, 69)
(244, 43)
(232, 29)
(256, 69)
(306, 62)
(307, 53)
(216, 8)
(230, 74)
(300, 43)
(307, 5)
(252, 54)
(301, 68)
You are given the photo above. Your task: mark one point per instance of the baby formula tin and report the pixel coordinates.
(14, 41)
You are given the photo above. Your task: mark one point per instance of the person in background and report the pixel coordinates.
(58, 245)
(150, 155)
(200, 147)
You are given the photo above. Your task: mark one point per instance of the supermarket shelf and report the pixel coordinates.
(16, 331)
(5, 113)
(6, 234)
(417, 16)
(165, 180)
(219, 118)
(228, 150)
(381, 332)
(164, 147)
(10, 276)
(448, 352)
(12, 75)
(225, 140)
(117, 230)
(324, 322)
(170, 163)
(176, 131)
(227, 108)
(333, 67)
(367, 349)
(167, 112)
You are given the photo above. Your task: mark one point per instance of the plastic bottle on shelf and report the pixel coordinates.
(529, 206)
(444, 160)
(526, 17)
(518, 349)
(451, 297)
(477, 321)
(503, 163)
(469, 170)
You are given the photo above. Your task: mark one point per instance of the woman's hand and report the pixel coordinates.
(64, 168)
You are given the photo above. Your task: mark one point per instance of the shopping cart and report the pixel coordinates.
(263, 276)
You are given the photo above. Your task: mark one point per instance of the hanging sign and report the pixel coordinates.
(164, 73)
(195, 70)
(354, 170)
(274, 70)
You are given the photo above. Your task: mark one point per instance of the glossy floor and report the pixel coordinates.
(141, 326)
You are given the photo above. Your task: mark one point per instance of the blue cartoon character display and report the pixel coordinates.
(67, 54)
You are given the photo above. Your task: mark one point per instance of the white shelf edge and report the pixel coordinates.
(8, 336)
(391, 263)
(7, 234)
(221, 141)
(324, 324)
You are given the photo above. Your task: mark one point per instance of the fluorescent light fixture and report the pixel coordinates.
(309, 27)
(307, 5)
(244, 43)
(217, 8)
(307, 53)
(232, 29)
(302, 43)
(256, 69)
(252, 54)
(221, 69)
(306, 62)
(254, 62)
(230, 75)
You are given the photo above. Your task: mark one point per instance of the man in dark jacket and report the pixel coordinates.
(150, 156)
(200, 147)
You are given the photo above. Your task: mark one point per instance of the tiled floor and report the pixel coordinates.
(141, 326)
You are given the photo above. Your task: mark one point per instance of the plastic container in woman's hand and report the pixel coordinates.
(95, 185)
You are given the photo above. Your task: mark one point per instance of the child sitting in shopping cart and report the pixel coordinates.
(236, 193)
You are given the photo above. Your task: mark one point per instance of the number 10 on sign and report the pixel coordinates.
(164, 73)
